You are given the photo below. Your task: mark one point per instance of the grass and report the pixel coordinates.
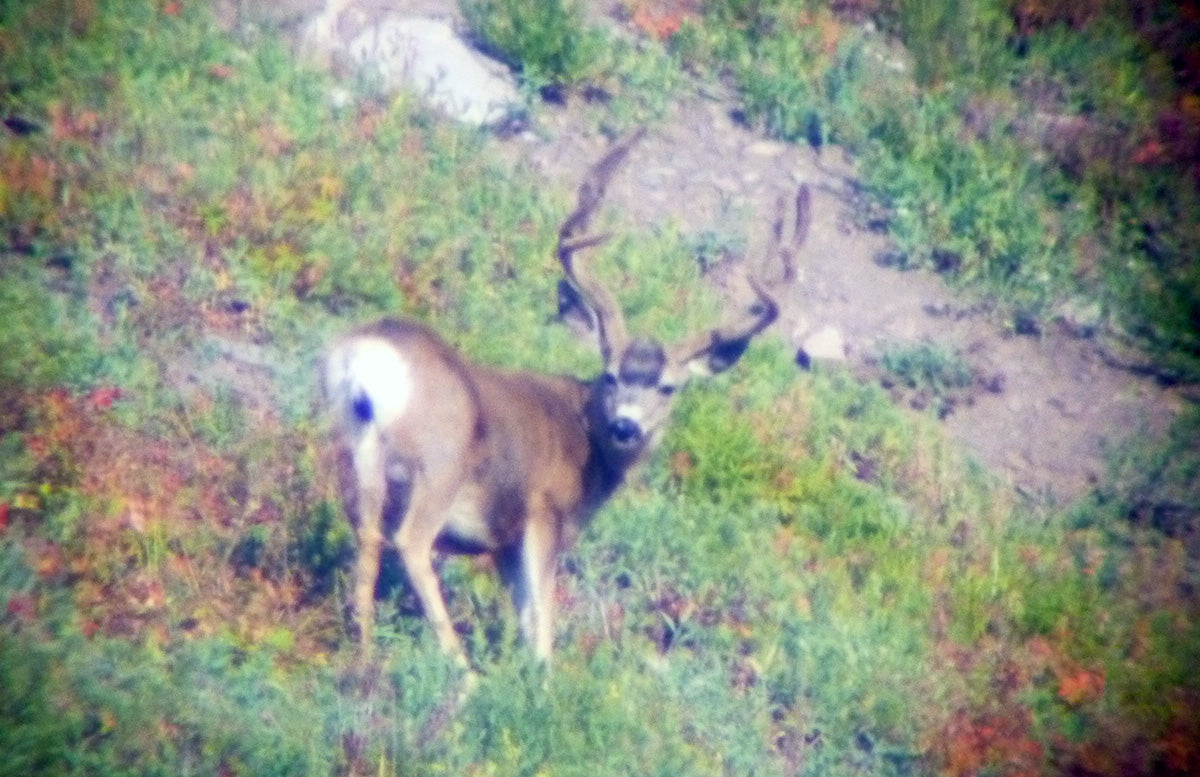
(929, 375)
(805, 580)
(549, 43)
(558, 55)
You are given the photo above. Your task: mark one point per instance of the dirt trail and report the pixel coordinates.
(1045, 407)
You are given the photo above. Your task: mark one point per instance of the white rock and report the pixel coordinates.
(825, 344)
(427, 56)
(424, 55)
(319, 39)
(766, 148)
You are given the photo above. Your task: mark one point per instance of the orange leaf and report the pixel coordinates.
(831, 33)
(33, 175)
(22, 606)
(663, 18)
(659, 25)
(67, 123)
(1148, 153)
(682, 464)
(1081, 687)
(49, 562)
(103, 398)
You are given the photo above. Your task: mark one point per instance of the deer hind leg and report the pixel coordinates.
(371, 492)
(415, 539)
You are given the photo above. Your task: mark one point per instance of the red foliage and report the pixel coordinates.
(22, 606)
(662, 18)
(999, 742)
(1181, 745)
(1081, 686)
(1032, 15)
(1150, 152)
(69, 123)
(103, 398)
(34, 176)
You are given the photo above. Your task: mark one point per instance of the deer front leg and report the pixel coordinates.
(528, 570)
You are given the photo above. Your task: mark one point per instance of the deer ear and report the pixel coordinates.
(719, 356)
(575, 313)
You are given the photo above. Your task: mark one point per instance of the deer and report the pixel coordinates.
(466, 458)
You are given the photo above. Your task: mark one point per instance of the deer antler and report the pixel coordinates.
(724, 346)
(609, 320)
(787, 251)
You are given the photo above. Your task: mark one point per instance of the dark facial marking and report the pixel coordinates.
(725, 354)
(642, 363)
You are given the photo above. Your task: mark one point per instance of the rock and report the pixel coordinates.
(1080, 318)
(427, 56)
(825, 344)
(319, 39)
(766, 148)
(424, 55)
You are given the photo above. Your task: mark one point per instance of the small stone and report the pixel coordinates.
(826, 344)
(1081, 318)
(765, 148)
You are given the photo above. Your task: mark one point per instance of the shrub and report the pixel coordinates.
(549, 43)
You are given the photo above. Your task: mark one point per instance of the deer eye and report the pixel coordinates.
(610, 381)
(666, 389)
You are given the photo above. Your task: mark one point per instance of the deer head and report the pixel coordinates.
(633, 395)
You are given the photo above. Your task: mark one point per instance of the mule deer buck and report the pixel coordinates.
(476, 459)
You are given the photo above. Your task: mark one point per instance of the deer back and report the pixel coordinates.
(503, 436)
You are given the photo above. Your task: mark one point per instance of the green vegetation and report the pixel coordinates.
(927, 374)
(558, 55)
(549, 43)
(806, 580)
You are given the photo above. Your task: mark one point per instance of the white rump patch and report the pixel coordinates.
(373, 367)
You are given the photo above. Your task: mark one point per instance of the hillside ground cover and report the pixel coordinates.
(806, 579)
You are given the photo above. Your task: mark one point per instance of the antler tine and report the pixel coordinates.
(786, 251)
(726, 344)
(610, 320)
(787, 254)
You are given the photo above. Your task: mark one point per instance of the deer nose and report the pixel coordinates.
(625, 431)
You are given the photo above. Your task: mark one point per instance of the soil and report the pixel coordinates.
(1041, 409)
